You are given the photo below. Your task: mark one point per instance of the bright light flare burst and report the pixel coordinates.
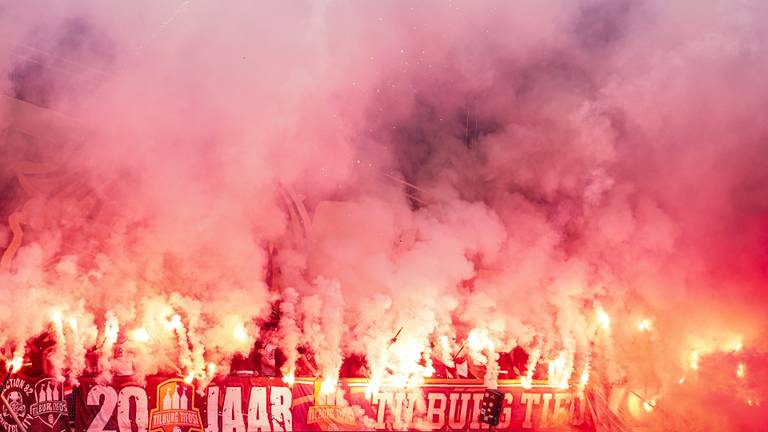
(240, 333)
(603, 319)
(645, 325)
(140, 335)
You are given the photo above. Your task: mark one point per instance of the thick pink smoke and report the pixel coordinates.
(583, 179)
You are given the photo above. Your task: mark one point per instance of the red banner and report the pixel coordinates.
(244, 404)
(39, 404)
(436, 405)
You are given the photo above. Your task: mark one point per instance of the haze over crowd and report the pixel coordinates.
(544, 174)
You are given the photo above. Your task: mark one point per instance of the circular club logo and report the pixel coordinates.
(20, 396)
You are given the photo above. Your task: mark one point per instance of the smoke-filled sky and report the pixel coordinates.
(585, 179)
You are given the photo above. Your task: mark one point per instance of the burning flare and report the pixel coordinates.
(140, 335)
(240, 333)
(645, 325)
(603, 319)
(15, 364)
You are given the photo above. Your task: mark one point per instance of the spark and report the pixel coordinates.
(693, 362)
(557, 373)
(373, 386)
(140, 335)
(175, 322)
(648, 406)
(645, 325)
(603, 319)
(328, 386)
(444, 344)
(189, 378)
(73, 323)
(478, 339)
(56, 319)
(681, 380)
(428, 371)
(16, 363)
(110, 332)
(741, 370)
(526, 382)
(211, 368)
(240, 334)
(584, 378)
(289, 379)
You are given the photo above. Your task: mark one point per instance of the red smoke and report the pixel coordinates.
(509, 173)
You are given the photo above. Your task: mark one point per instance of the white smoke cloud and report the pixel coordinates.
(515, 169)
